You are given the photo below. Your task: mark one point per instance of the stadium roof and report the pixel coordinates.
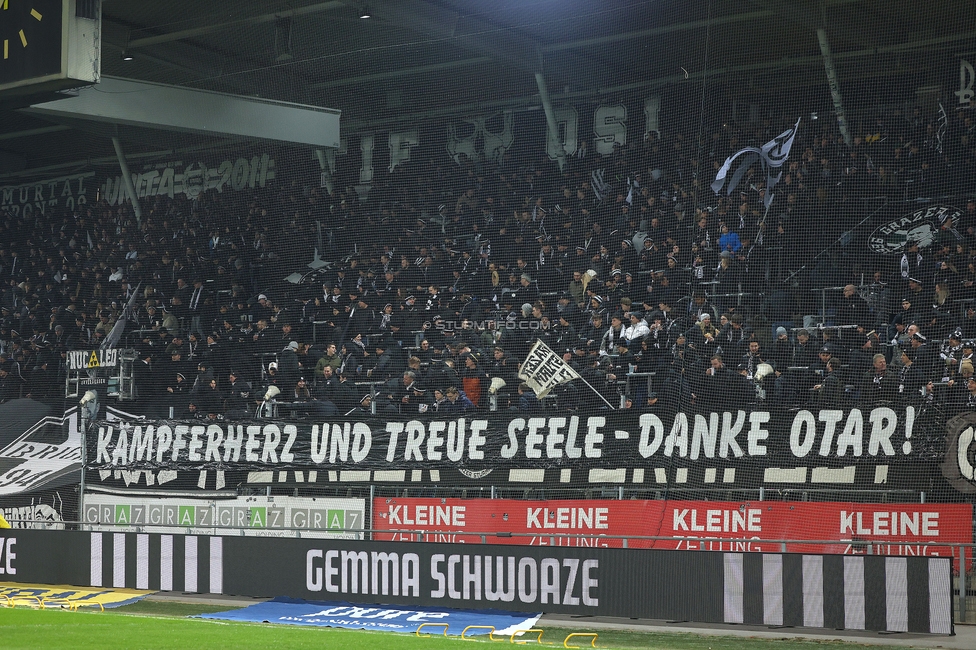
(414, 59)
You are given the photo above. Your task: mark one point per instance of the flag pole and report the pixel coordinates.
(599, 394)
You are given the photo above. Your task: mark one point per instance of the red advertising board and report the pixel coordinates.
(839, 527)
(447, 520)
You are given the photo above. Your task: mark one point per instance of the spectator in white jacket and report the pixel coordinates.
(637, 330)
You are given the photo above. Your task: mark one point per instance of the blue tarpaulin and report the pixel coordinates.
(390, 618)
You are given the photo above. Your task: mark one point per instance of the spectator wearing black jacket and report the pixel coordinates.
(288, 369)
(527, 401)
(852, 310)
(388, 362)
(911, 377)
(10, 384)
(714, 382)
(805, 351)
(879, 385)
(338, 389)
(752, 359)
(830, 391)
(781, 353)
(237, 396)
(209, 400)
(502, 365)
(401, 394)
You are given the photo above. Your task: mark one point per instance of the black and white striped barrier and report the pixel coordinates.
(188, 563)
(855, 592)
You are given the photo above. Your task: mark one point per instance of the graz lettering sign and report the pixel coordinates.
(270, 516)
(879, 447)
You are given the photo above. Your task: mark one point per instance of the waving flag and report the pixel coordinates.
(772, 155)
(600, 187)
(115, 335)
(543, 370)
(943, 126)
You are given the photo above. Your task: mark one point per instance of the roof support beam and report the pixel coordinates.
(531, 101)
(393, 74)
(474, 33)
(658, 31)
(127, 179)
(730, 19)
(30, 133)
(834, 84)
(218, 27)
(540, 81)
(808, 18)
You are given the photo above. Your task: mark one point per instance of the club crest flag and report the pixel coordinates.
(772, 155)
(543, 370)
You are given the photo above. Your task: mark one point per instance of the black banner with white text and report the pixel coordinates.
(879, 448)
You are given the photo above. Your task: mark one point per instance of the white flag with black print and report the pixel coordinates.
(600, 187)
(543, 370)
(772, 155)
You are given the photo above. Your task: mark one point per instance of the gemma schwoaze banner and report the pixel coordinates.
(880, 447)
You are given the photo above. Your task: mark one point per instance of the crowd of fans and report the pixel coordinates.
(661, 294)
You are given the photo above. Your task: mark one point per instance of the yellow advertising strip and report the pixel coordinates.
(63, 596)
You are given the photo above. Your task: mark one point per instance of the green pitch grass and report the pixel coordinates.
(152, 625)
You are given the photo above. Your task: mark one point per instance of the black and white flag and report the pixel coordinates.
(115, 335)
(601, 188)
(943, 126)
(543, 370)
(772, 155)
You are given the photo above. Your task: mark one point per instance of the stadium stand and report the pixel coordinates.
(652, 287)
